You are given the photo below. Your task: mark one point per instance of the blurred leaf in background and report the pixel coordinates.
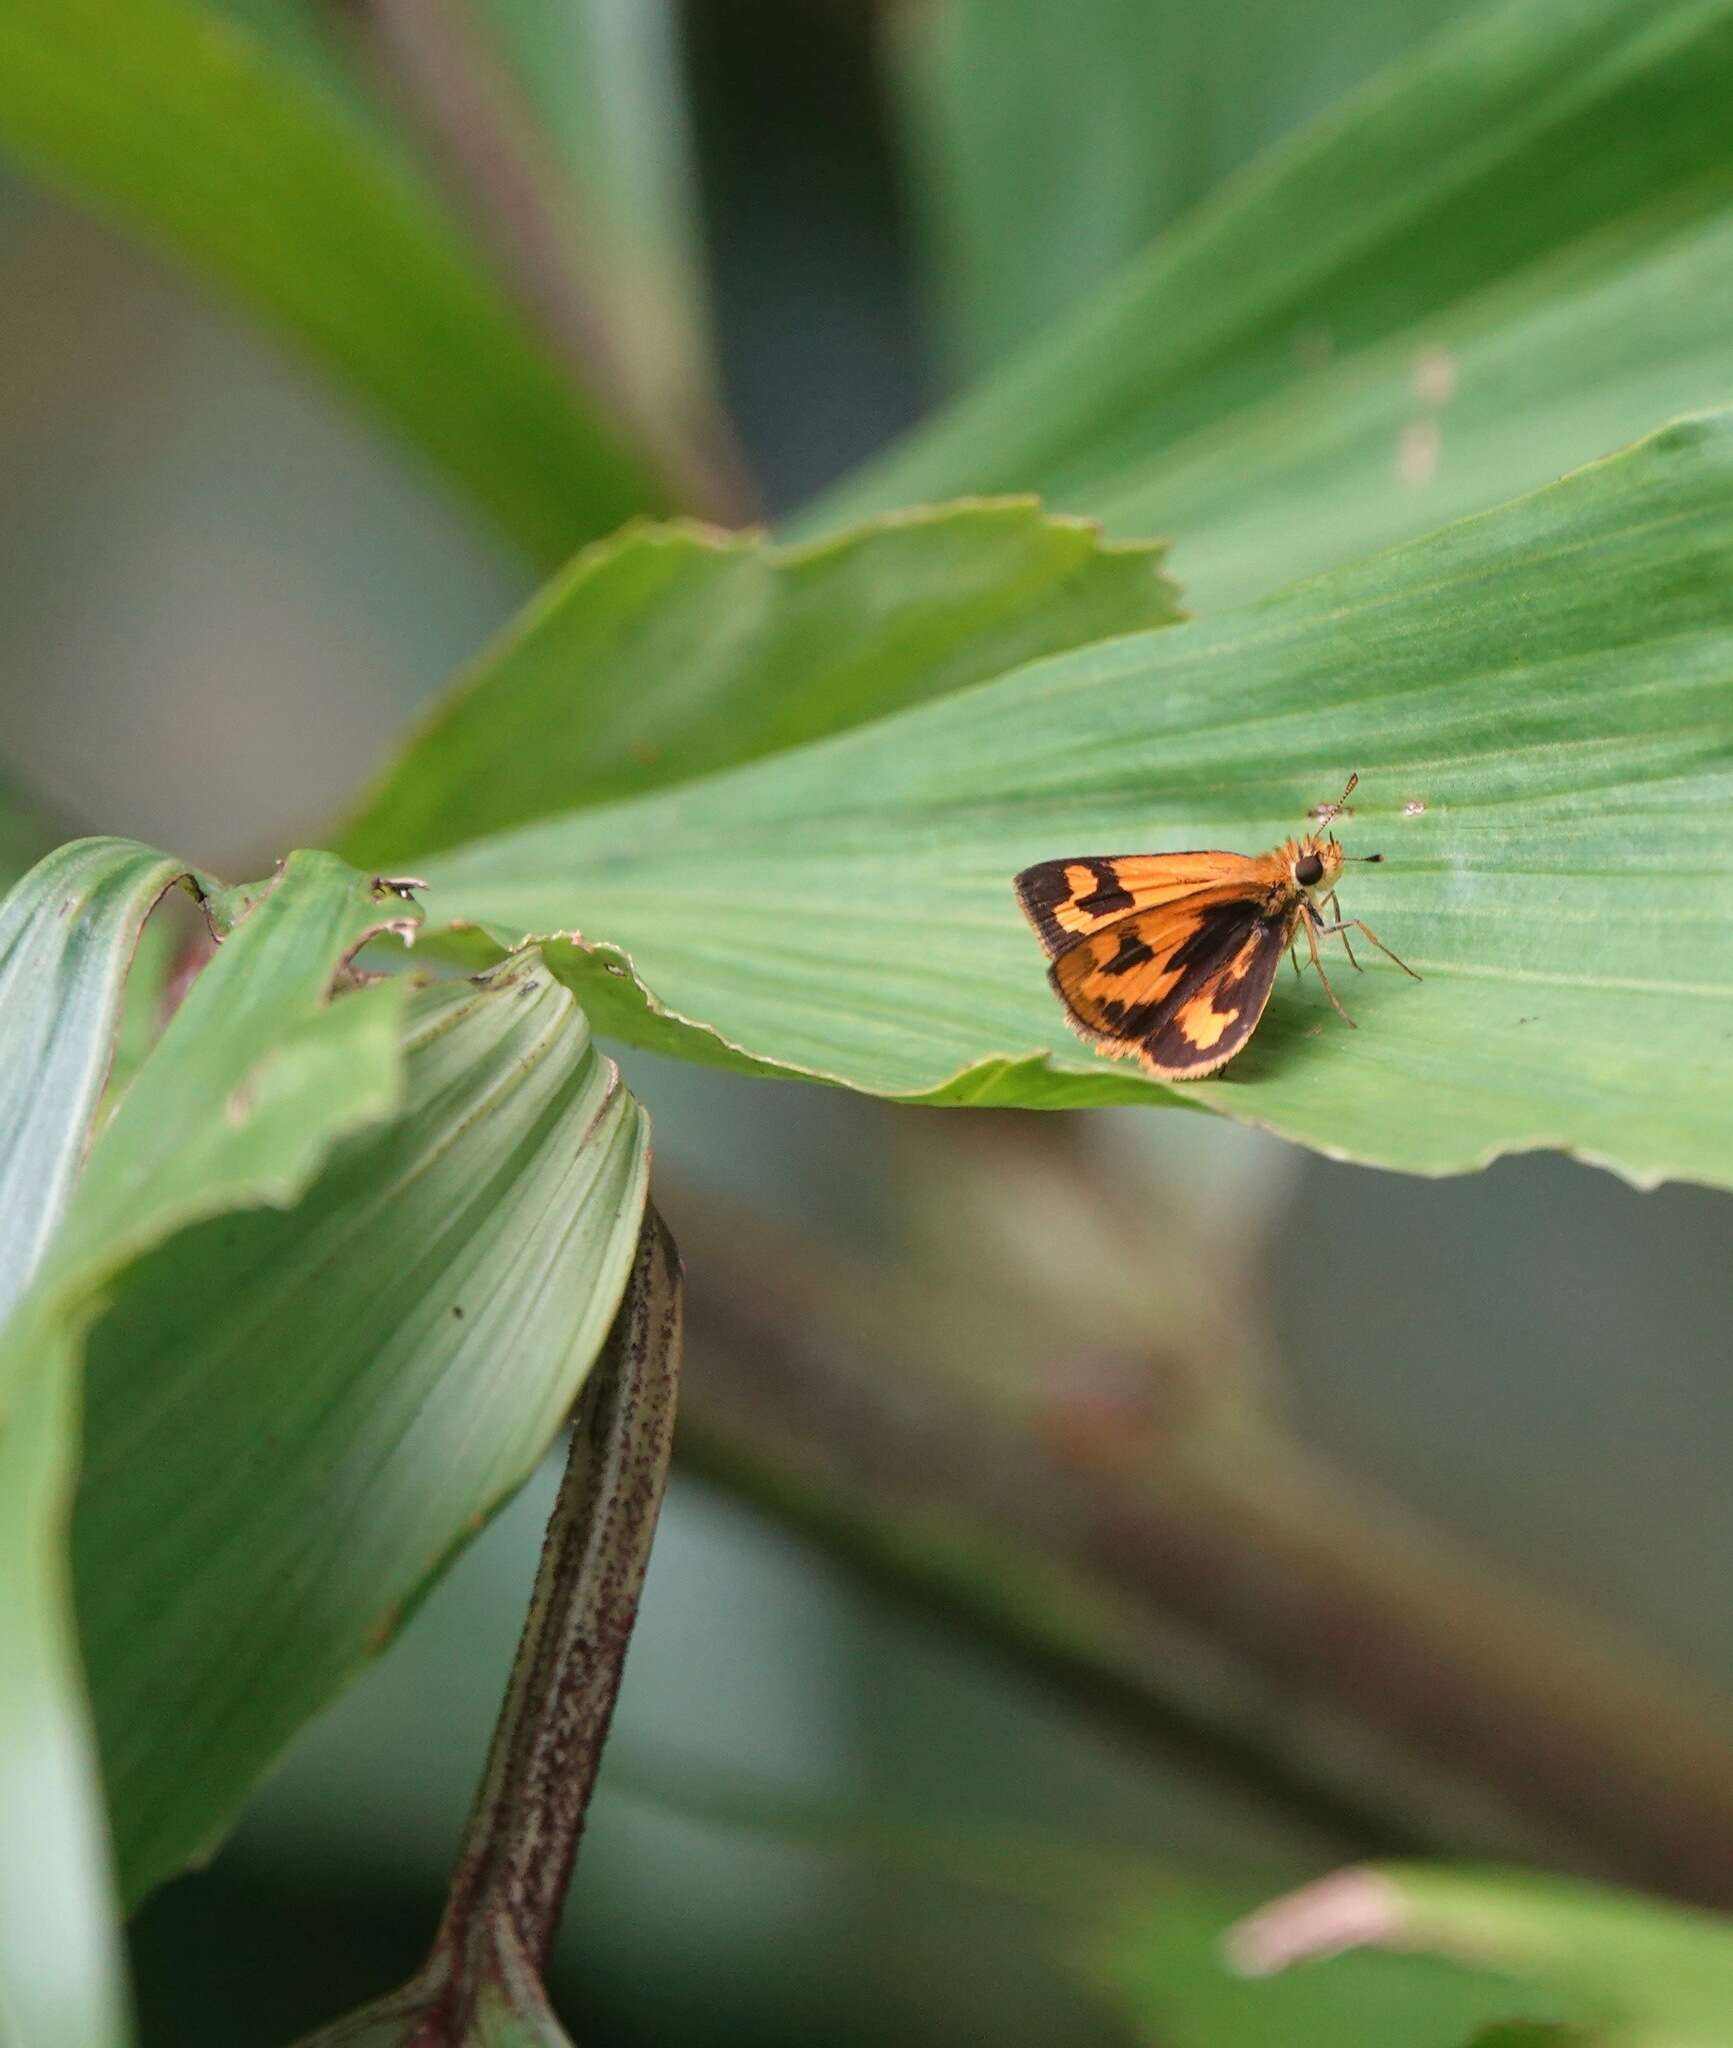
(1163, 1963)
(1441, 294)
(1630, 1972)
(192, 130)
(1049, 144)
(606, 82)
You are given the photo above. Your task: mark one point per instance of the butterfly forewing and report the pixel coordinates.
(1066, 900)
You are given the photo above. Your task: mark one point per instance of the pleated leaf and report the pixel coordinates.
(295, 1416)
(248, 1087)
(67, 933)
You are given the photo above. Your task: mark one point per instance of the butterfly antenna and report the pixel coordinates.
(1353, 784)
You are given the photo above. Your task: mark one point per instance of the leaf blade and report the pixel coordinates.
(66, 940)
(1437, 296)
(1538, 701)
(61, 1973)
(670, 652)
(1162, 1960)
(337, 1465)
(608, 85)
(60, 1976)
(67, 934)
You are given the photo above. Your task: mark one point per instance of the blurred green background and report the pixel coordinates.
(220, 598)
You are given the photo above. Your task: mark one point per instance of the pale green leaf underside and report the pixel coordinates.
(1552, 682)
(180, 123)
(67, 934)
(60, 1966)
(1502, 257)
(249, 1085)
(373, 1370)
(673, 651)
(66, 939)
(349, 1282)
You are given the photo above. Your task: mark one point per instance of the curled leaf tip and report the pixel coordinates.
(1350, 1909)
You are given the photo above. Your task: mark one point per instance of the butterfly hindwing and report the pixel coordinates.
(1179, 985)
(1066, 900)
(1212, 1015)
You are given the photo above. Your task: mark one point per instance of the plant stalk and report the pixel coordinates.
(521, 1841)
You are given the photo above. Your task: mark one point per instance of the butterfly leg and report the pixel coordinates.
(1342, 930)
(1312, 927)
(1366, 932)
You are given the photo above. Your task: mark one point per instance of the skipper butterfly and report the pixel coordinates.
(1169, 958)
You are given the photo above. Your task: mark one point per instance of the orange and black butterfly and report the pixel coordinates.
(1169, 958)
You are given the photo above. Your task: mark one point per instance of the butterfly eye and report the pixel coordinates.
(1308, 870)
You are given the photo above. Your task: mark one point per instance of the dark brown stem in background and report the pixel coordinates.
(1204, 1575)
(487, 146)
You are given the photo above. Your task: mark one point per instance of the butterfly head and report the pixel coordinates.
(1315, 863)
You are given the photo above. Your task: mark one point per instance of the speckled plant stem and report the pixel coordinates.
(522, 1838)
